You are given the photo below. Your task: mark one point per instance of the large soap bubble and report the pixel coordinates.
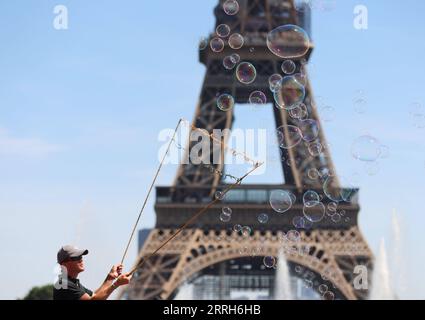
(246, 73)
(289, 94)
(366, 148)
(288, 41)
(280, 201)
(288, 136)
(236, 41)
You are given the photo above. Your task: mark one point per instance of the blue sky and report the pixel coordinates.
(81, 109)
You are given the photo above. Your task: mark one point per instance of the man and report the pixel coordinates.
(68, 287)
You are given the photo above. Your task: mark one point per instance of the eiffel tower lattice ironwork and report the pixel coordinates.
(209, 247)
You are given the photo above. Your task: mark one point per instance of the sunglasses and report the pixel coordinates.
(76, 258)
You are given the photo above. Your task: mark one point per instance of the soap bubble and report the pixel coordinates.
(225, 102)
(246, 231)
(235, 57)
(257, 97)
(237, 227)
(263, 218)
(288, 41)
(298, 222)
(360, 105)
(227, 211)
(328, 295)
(309, 129)
(288, 136)
(219, 195)
(229, 63)
(246, 73)
(332, 206)
(313, 174)
(308, 284)
(315, 212)
(236, 41)
(269, 261)
(299, 112)
(293, 236)
(203, 43)
(336, 218)
(231, 7)
(288, 67)
(366, 148)
(290, 93)
(311, 198)
(280, 201)
(323, 288)
(315, 148)
(301, 223)
(217, 45)
(224, 217)
(222, 30)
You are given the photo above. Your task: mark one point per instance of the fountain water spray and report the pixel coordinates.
(185, 292)
(397, 256)
(283, 279)
(381, 284)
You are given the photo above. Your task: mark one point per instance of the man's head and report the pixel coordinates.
(72, 259)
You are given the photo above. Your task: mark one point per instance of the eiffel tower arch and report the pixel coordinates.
(326, 254)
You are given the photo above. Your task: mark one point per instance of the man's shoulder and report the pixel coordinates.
(64, 289)
(65, 284)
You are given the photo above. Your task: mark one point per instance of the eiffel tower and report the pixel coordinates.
(209, 254)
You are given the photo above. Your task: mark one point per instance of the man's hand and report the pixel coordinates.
(123, 279)
(115, 272)
(113, 281)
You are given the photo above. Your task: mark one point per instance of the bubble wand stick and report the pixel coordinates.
(150, 190)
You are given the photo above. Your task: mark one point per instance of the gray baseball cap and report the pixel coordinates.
(67, 252)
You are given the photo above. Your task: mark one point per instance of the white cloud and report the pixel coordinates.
(26, 147)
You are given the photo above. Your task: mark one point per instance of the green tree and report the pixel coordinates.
(40, 293)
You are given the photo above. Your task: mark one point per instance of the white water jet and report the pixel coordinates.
(185, 292)
(381, 284)
(396, 255)
(283, 279)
